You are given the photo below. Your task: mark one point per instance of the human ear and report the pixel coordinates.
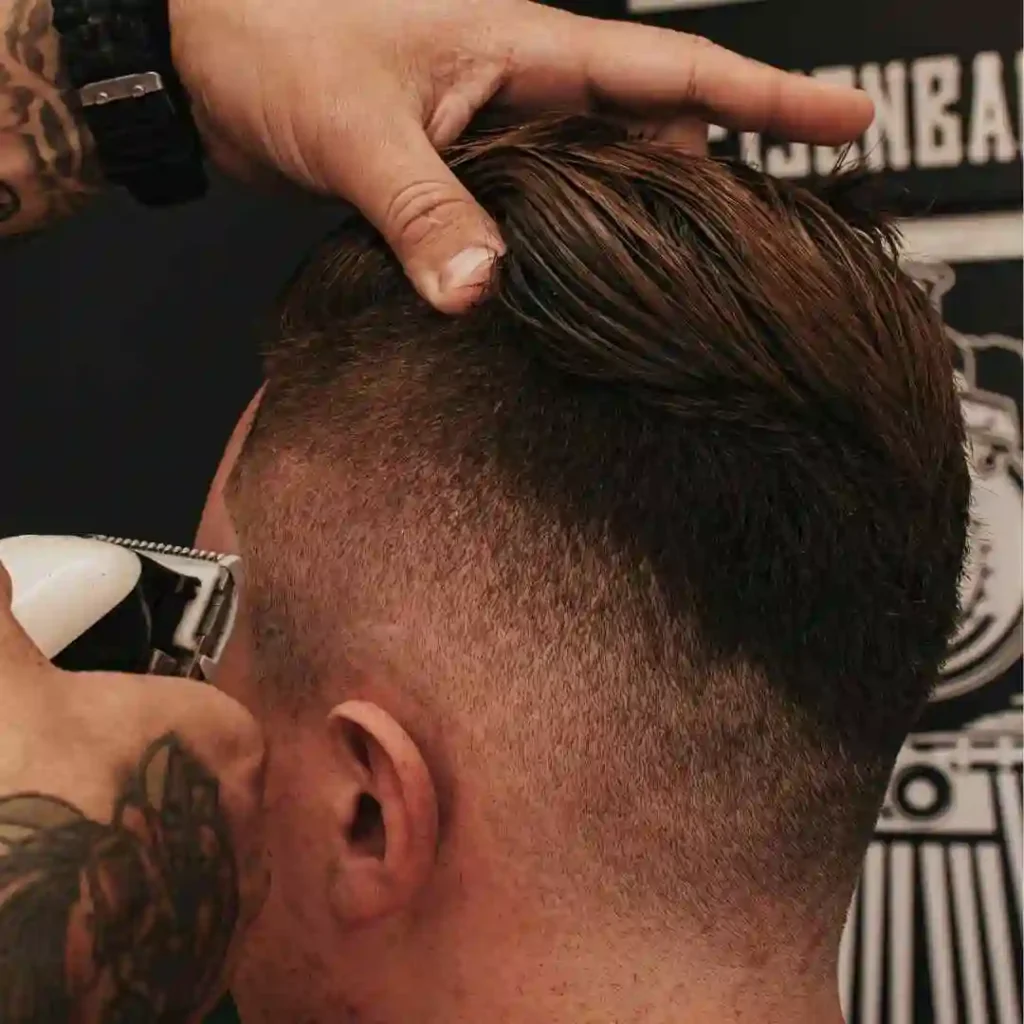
(387, 814)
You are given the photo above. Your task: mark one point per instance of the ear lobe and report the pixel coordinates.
(389, 814)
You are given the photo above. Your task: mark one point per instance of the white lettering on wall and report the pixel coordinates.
(938, 132)
(652, 6)
(991, 136)
(1020, 96)
(887, 140)
(791, 161)
(934, 112)
(750, 149)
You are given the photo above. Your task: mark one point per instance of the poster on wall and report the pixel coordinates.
(946, 81)
(934, 931)
(945, 133)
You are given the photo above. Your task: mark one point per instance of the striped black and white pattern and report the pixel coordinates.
(934, 933)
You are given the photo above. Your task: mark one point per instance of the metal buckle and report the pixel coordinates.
(125, 87)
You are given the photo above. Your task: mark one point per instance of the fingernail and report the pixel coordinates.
(470, 268)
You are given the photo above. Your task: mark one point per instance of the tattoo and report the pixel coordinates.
(47, 164)
(122, 922)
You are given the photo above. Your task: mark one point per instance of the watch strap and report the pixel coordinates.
(117, 56)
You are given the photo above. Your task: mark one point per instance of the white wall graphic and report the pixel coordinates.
(654, 6)
(922, 121)
(934, 932)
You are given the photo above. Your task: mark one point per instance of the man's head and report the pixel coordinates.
(586, 626)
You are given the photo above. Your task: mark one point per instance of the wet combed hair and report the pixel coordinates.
(665, 535)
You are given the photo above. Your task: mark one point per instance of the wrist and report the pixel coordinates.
(117, 56)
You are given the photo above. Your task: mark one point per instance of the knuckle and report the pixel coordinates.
(693, 87)
(420, 210)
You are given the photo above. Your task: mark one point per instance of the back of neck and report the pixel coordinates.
(572, 985)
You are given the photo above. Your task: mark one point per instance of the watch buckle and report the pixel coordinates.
(124, 87)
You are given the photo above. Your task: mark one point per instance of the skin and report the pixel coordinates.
(96, 800)
(347, 100)
(352, 100)
(396, 925)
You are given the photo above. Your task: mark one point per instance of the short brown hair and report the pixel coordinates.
(670, 525)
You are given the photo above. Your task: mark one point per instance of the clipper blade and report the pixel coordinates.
(192, 599)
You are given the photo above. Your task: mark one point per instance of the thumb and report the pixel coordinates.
(16, 647)
(441, 235)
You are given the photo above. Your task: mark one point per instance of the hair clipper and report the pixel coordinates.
(107, 603)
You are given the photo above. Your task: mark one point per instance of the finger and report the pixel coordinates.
(686, 133)
(689, 134)
(638, 68)
(444, 239)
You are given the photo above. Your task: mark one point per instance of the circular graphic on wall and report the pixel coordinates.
(989, 635)
(988, 638)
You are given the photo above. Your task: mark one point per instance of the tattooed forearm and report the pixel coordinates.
(47, 166)
(123, 921)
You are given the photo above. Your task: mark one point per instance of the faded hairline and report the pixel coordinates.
(610, 328)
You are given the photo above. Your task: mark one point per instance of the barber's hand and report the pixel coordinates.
(351, 97)
(131, 853)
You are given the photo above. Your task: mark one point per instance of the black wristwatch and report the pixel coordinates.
(117, 57)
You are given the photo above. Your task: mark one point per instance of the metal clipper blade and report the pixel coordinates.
(177, 620)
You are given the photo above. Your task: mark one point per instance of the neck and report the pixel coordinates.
(572, 988)
(514, 973)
